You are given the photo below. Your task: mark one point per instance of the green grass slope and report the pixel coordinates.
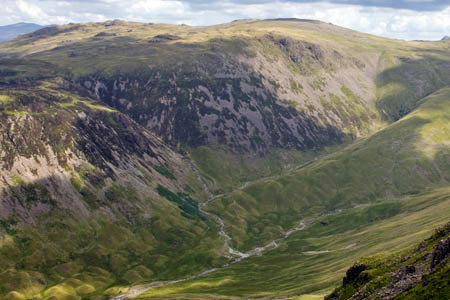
(82, 207)
(420, 272)
(93, 202)
(313, 261)
(407, 157)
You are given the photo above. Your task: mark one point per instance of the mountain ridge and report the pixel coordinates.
(247, 94)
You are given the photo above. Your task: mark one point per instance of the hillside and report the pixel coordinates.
(408, 157)
(9, 32)
(417, 273)
(385, 192)
(247, 85)
(80, 198)
(254, 159)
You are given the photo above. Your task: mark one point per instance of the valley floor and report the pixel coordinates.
(314, 260)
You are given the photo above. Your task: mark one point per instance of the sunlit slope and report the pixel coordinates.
(249, 86)
(417, 273)
(408, 157)
(113, 205)
(80, 209)
(314, 261)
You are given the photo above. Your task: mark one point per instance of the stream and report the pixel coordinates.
(235, 254)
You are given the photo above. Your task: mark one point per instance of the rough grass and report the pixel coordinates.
(97, 258)
(314, 261)
(380, 270)
(225, 171)
(405, 158)
(406, 71)
(73, 259)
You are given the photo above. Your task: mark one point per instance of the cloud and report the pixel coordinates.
(405, 19)
(416, 5)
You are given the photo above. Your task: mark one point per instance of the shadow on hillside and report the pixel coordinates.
(404, 86)
(388, 165)
(152, 73)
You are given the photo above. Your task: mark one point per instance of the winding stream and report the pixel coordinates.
(236, 255)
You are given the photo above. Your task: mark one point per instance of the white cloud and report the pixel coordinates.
(31, 10)
(390, 22)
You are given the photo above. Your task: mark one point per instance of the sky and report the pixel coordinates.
(403, 19)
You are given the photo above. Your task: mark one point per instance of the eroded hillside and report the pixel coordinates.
(248, 85)
(89, 198)
(104, 124)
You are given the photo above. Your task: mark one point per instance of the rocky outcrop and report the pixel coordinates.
(419, 274)
(441, 252)
(354, 274)
(249, 90)
(66, 152)
(229, 103)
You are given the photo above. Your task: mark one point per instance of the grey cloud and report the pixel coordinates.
(422, 19)
(416, 5)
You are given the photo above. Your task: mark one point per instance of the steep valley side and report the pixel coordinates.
(135, 154)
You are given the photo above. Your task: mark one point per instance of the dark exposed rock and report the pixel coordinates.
(54, 134)
(104, 34)
(420, 279)
(354, 274)
(164, 37)
(203, 111)
(298, 51)
(403, 272)
(441, 252)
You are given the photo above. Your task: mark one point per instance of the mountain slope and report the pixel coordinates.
(407, 157)
(102, 125)
(80, 204)
(248, 85)
(313, 261)
(384, 192)
(418, 273)
(12, 31)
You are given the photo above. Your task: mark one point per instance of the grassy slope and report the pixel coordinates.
(71, 255)
(414, 164)
(296, 269)
(385, 270)
(407, 157)
(225, 171)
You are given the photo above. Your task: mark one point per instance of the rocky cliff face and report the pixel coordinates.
(62, 150)
(89, 196)
(250, 86)
(247, 100)
(249, 94)
(96, 119)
